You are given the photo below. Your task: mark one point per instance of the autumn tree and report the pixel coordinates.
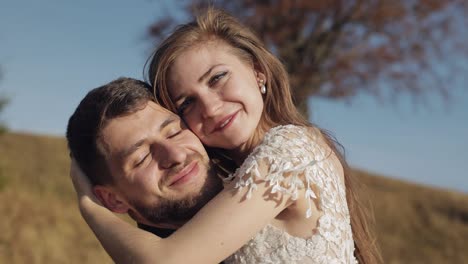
(338, 48)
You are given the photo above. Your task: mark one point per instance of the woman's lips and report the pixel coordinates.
(225, 123)
(185, 175)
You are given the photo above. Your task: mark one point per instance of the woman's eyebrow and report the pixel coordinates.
(204, 76)
(208, 72)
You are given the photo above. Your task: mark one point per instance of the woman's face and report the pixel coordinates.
(217, 95)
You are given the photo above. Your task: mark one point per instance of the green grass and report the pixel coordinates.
(41, 222)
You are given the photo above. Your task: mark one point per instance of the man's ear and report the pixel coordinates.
(110, 199)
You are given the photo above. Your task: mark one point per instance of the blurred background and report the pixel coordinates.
(387, 78)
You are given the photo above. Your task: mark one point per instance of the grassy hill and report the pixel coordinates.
(41, 223)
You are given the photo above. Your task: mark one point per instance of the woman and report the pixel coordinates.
(292, 191)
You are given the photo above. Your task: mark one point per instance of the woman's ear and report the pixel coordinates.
(260, 75)
(110, 199)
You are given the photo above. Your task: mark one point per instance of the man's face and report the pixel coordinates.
(160, 168)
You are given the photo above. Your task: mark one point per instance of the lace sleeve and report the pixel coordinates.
(296, 161)
(290, 154)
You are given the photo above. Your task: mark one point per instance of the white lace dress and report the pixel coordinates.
(298, 161)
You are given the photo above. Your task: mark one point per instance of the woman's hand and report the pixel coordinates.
(81, 183)
(112, 232)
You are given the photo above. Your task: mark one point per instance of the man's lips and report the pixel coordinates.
(185, 174)
(225, 122)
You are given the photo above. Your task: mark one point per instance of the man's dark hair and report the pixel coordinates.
(118, 98)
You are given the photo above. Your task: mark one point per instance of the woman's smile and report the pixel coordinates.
(217, 95)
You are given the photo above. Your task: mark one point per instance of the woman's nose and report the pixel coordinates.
(211, 104)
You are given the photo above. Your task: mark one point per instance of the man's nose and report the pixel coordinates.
(171, 155)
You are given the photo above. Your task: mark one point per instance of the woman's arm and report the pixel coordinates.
(274, 176)
(107, 227)
(221, 227)
(122, 241)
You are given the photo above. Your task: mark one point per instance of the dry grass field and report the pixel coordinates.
(41, 223)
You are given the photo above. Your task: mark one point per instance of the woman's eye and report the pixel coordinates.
(216, 78)
(185, 104)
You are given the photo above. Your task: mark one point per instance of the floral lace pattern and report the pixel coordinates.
(297, 161)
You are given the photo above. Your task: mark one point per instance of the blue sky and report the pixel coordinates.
(53, 52)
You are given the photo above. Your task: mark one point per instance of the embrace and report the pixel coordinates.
(212, 160)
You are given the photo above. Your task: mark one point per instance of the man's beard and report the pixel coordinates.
(181, 210)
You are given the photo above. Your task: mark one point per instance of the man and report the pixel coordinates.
(139, 157)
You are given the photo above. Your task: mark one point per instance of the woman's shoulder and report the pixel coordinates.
(284, 149)
(290, 131)
(280, 159)
(291, 159)
(292, 140)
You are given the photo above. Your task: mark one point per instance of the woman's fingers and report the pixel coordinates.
(80, 181)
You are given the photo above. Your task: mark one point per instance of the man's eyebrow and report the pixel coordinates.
(169, 120)
(127, 152)
(207, 73)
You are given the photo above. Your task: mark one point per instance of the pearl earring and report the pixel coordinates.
(262, 87)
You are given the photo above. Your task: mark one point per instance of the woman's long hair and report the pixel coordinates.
(279, 108)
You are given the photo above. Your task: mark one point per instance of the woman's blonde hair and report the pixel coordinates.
(279, 108)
